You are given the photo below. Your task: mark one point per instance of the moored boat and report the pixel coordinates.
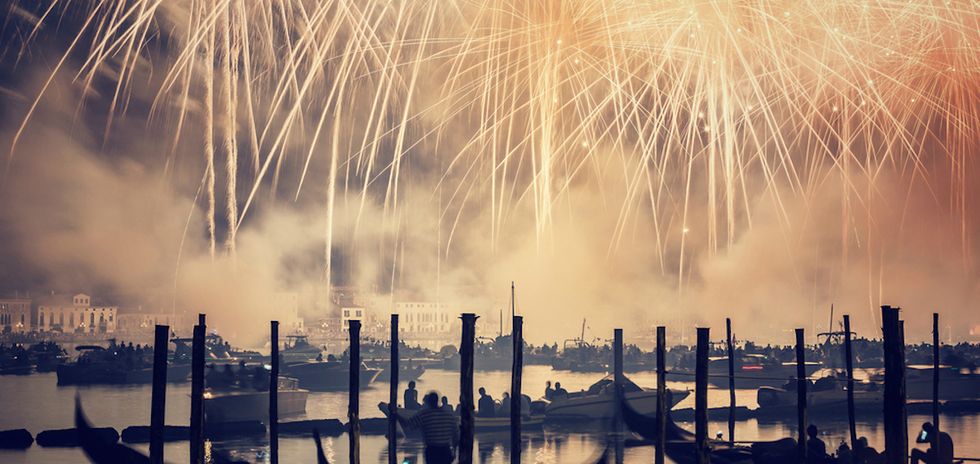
(828, 396)
(299, 349)
(954, 383)
(481, 424)
(97, 365)
(328, 375)
(754, 371)
(407, 372)
(244, 404)
(599, 401)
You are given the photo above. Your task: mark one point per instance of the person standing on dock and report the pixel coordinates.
(411, 398)
(440, 430)
(931, 456)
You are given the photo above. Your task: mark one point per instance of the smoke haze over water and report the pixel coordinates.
(117, 213)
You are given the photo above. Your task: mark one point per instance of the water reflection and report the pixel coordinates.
(36, 403)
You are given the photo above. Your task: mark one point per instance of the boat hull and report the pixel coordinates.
(328, 376)
(481, 424)
(603, 406)
(777, 401)
(99, 374)
(253, 405)
(405, 374)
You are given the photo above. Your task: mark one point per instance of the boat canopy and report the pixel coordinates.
(89, 348)
(607, 382)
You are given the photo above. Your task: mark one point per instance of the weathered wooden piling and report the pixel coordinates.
(935, 382)
(701, 396)
(197, 392)
(618, 373)
(896, 430)
(731, 380)
(849, 366)
(516, 400)
(466, 414)
(661, 393)
(274, 394)
(393, 394)
(158, 399)
(800, 397)
(354, 392)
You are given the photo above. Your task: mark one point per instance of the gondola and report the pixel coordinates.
(680, 445)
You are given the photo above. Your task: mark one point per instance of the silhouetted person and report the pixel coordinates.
(560, 393)
(504, 409)
(411, 398)
(864, 454)
(445, 405)
(486, 405)
(931, 456)
(844, 454)
(439, 430)
(549, 393)
(816, 449)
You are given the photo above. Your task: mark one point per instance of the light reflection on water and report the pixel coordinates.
(36, 403)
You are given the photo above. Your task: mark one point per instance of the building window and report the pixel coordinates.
(40, 319)
(346, 313)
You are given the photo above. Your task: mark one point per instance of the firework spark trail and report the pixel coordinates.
(715, 99)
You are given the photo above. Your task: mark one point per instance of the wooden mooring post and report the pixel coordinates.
(466, 415)
(393, 394)
(158, 400)
(731, 380)
(849, 366)
(895, 425)
(935, 383)
(516, 399)
(618, 372)
(354, 392)
(618, 382)
(701, 396)
(661, 394)
(800, 397)
(274, 393)
(196, 446)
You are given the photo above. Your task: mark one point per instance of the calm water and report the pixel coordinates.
(36, 403)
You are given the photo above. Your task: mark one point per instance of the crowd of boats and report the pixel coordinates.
(237, 378)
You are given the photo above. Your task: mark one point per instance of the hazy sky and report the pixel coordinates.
(101, 194)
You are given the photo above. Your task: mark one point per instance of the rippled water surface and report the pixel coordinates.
(36, 403)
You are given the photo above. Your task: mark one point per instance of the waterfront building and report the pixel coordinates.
(141, 321)
(15, 315)
(75, 314)
(427, 324)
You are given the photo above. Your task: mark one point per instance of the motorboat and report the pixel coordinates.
(827, 396)
(98, 365)
(15, 360)
(481, 424)
(328, 375)
(755, 370)
(954, 383)
(298, 348)
(599, 401)
(236, 404)
(47, 356)
(407, 371)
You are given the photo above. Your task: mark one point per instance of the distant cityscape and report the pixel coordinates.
(83, 316)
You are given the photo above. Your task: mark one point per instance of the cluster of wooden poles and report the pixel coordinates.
(895, 415)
